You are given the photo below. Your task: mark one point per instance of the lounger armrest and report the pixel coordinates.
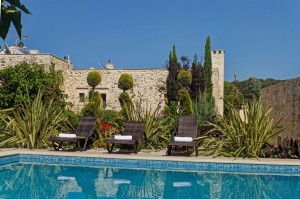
(174, 133)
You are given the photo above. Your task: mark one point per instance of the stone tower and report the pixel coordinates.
(217, 57)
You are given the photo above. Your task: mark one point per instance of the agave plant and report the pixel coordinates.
(243, 137)
(157, 127)
(31, 124)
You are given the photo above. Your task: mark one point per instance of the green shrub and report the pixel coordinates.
(185, 102)
(243, 138)
(109, 116)
(90, 109)
(205, 110)
(125, 103)
(124, 98)
(184, 78)
(94, 79)
(125, 82)
(96, 97)
(73, 119)
(93, 106)
(25, 78)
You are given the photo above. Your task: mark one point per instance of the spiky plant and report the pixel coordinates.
(243, 137)
(31, 124)
(157, 127)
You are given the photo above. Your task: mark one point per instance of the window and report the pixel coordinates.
(103, 96)
(81, 97)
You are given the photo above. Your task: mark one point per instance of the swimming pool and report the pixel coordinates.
(39, 176)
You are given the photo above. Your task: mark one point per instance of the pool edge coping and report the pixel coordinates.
(96, 154)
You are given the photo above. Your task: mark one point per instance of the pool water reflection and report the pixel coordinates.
(54, 181)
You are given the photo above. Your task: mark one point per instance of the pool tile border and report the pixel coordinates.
(150, 164)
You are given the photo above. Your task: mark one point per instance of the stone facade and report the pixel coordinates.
(149, 84)
(284, 99)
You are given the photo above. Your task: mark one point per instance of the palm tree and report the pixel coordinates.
(10, 12)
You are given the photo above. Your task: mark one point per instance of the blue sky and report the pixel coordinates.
(260, 37)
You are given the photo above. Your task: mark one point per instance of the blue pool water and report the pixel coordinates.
(53, 181)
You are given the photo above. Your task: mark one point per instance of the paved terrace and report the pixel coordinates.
(145, 155)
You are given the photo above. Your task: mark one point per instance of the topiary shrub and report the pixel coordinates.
(92, 108)
(185, 102)
(125, 82)
(94, 79)
(125, 103)
(96, 97)
(184, 78)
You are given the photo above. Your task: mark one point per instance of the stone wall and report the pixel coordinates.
(7, 60)
(148, 83)
(284, 98)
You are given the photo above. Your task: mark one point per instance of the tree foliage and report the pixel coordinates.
(173, 68)
(244, 85)
(185, 102)
(184, 79)
(94, 79)
(25, 77)
(93, 106)
(252, 89)
(197, 84)
(269, 82)
(125, 82)
(126, 104)
(204, 108)
(11, 13)
(208, 67)
(232, 96)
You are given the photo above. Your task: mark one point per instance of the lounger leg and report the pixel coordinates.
(169, 150)
(196, 151)
(78, 144)
(110, 149)
(56, 148)
(86, 140)
(136, 148)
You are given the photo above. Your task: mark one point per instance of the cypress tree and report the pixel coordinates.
(208, 67)
(173, 68)
(197, 84)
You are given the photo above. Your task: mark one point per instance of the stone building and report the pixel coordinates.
(284, 99)
(148, 83)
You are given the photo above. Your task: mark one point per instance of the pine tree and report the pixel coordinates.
(173, 68)
(208, 67)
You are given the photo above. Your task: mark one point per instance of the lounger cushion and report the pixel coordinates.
(183, 139)
(182, 184)
(123, 137)
(66, 135)
(121, 181)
